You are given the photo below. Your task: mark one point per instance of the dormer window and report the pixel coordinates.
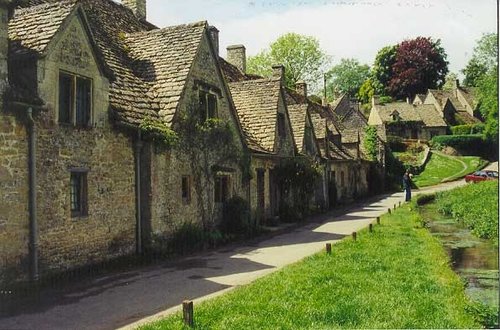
(208, 105)
(395, 116)
(75, 100)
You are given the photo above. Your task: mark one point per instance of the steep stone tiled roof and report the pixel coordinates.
(150, 65)
(430, 116)
(233, 74)
(469, 94)
(350, 136)
(464, 117)
(406, 111)
(319, 124)
(256, 103)
(32, 28)
(162, 61)
(298, 116)
(336, 153)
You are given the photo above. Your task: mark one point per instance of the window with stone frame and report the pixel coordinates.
(186, 189)
(75, 100)
(78, 193)
(221, 188)
(207, 105)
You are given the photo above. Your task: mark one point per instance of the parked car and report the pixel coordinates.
(481, 176)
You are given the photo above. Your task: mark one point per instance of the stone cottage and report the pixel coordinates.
(83, 176)
(265, 122)
(408, 121)
(458, 106)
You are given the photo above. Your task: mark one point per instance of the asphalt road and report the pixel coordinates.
(131, 298)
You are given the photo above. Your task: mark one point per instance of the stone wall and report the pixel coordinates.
(105, 154)
(13, 197)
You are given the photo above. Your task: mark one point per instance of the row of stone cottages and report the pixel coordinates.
(428, 115)
(82, 183)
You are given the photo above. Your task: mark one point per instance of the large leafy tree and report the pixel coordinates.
(484, 59)
(301, 55)
(382, 68)
(420, 64)
(347, 76)
(488, 98)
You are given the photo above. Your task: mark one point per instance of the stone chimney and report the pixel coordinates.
(138, 7)
(301, 88)
(456, 86)
(237, 56)
(214, 35)
(279, 72)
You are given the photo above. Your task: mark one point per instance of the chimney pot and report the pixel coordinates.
(301, 88)
(279, 71)
(236, 55)
(138, 7)
(214, 35)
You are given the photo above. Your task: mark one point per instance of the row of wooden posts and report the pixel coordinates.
(188, 305)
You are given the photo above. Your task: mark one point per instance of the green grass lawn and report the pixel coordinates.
(446, 168)
(396, 277)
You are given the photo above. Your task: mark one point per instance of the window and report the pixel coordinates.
(281, 125)
(221, 189)
(75, 100)
(186, 189)
(78, 193)
(342, 178)
(208, 105)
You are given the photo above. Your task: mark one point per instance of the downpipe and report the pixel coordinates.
(33, 224)
(138, 214)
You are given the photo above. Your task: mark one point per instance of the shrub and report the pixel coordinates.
(188, 237)
(236, 217)
(396, 143)
(425, 199)
(472, 144)
(467, 129)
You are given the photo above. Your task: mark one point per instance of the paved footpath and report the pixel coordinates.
(142, 295)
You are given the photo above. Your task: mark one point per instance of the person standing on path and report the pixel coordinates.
(407, 185)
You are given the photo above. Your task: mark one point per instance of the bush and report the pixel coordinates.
(467, 129)
(236, 217)
(186, 238)
(396, 143)
(425, 199)
(472, 144)
(476, 206)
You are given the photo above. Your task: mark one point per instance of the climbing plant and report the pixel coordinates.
(370, 142)
(207, 145)
(297, 178)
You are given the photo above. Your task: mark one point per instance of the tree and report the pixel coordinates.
(366, 91)
(347, 76)
(484, 59)
(382, 68)
(450, 81)
(301, 55)
(420, 65)
(488, 99)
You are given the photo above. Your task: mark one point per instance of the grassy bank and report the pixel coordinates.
(475, 205)
(446, 168)
(397, 277)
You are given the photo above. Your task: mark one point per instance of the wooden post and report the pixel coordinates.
(399, 203)
(354, 236)
(188, 311)
(329, 248)
(378, 220)
(389, 211)
(371, 228)
(394, 206)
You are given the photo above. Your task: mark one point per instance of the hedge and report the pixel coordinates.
(467, 129)
(472, 144)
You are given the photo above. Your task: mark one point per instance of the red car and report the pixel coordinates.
(482, 176)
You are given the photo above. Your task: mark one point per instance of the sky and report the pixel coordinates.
(345, 28)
